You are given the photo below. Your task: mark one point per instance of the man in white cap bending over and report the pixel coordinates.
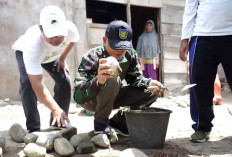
(46, 46)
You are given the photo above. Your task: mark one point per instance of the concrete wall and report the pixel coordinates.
(174, 70)
(18, 15)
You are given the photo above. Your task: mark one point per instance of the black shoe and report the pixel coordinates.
(101, 128)
(119, 127)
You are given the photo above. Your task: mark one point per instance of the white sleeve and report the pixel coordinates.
(32, 62)
(189, 16)
(73, 35)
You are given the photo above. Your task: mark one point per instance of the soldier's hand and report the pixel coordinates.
(60, 117)
(104, 71)
(155, 87)
(184, 48)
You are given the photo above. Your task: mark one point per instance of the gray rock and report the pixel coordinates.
(76, 140)
(87, 136)
(63, 147)
(7, 99)
(17, 133)
(33, 150)
(47, 140)
(1, 152)
(101, 140)
(132, 152)
(30, 138)
(3, 103)
(68, 132)
(86, 147)
(113, 137)
(2, 141)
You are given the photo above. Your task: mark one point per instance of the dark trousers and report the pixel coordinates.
(113, 95)
(209, 52)
(62, 91)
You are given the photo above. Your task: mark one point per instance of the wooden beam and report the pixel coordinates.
(128, 12)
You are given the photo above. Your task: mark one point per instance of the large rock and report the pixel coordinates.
(68, 132)
(101, 140)
(2, 141)
(47, 140)
(63, 147)
(17, 133)
(87, 136)
(33, 150)
(86, 147)
(132, 152)
(30, 138)
(76, 140)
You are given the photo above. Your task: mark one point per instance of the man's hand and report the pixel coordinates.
(60, 117)
(62, 65)
(155, 87)
(44, 95)
(184, 48)
(104, 71)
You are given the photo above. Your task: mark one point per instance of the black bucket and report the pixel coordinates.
(148, 127)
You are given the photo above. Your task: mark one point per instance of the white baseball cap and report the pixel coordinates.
(53, 21)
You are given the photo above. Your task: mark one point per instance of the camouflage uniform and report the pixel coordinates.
(87, 90)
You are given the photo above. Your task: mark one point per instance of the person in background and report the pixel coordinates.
(207, 37)
(46, 45)
(148, 51)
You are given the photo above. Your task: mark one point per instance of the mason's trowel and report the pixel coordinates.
(175, 91)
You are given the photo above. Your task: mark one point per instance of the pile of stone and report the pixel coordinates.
(65, 142)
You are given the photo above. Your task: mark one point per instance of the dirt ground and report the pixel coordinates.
(177, 139)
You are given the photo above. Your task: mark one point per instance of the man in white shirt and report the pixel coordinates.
(209, 25)
(46, 46)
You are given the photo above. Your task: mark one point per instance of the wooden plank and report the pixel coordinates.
(147, 3)
(171, 53)
(174, 2)
(174, 66)
(178, 78)
(128, 12)
(171, 29)
(172, 14)
(171, 41)
(95, 34)
(143, 3)
(115, 1)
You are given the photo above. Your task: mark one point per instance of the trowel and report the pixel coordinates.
(181, 89)
(175, 91)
